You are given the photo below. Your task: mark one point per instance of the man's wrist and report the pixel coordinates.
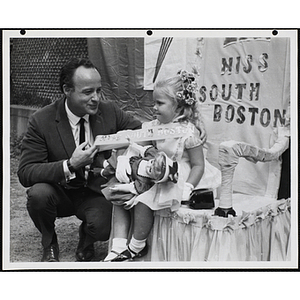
(70, 167)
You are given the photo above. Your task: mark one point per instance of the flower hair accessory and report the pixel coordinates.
(189, 86)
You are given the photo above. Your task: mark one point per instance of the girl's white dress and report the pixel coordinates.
(168, 194)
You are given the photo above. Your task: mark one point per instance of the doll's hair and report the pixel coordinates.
(165, 168)
(159, 166)
(181, 90)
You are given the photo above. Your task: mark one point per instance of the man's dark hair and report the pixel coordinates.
(68, 70)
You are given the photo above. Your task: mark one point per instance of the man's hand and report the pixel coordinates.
(123, 169)
(81, 157)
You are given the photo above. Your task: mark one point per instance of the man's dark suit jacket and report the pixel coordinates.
(49, 141)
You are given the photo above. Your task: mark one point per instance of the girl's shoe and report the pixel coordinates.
(128, 254)
(111, 256)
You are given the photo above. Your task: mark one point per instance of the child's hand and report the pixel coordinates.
(131, 203)
(187, 189)
(125, 188)
(118, 202)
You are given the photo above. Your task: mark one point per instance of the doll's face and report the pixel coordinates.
(154, 169)
(165, 109)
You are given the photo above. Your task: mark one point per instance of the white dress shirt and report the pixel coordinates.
(75, 126)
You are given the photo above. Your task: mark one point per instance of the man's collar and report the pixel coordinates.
(73, 118)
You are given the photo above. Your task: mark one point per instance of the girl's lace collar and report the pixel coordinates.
(175, 120)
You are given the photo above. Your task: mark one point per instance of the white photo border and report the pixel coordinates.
(36, 33)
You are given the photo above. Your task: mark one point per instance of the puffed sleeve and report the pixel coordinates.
(193, 137)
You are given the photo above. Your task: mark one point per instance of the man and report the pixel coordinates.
(58, 156)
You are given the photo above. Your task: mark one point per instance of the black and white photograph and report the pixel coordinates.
(150, 149)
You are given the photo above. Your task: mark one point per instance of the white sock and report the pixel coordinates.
(137, 245)
(118, 245)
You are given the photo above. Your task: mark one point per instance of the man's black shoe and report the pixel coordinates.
(51, 253)
(86, 254)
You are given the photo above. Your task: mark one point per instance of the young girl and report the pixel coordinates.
(175, 102)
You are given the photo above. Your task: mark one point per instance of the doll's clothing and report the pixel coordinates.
(141, 182)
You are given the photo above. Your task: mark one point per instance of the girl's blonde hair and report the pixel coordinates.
(174, 86)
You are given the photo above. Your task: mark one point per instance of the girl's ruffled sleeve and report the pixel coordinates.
(193, 139)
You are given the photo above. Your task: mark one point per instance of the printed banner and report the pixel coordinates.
(122, 138)
(243, 92)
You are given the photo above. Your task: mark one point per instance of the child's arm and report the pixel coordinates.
(200, 124)
(197, 169)
(197, 165)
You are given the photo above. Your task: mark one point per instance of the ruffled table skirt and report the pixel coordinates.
(257, 233)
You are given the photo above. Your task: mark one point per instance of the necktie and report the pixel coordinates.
(81, 131)
(82, 138)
